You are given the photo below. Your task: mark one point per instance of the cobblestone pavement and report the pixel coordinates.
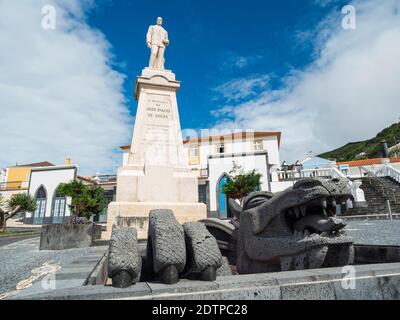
(375, 232)
(8, 240)
(18, 259)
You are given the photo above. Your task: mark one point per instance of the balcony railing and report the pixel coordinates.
(290, 175)
(14, 185)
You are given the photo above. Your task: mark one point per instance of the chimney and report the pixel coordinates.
(67, 162)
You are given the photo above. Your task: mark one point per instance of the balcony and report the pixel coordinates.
(14, 185)
(293, 175)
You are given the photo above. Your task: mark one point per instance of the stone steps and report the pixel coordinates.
(377, 191)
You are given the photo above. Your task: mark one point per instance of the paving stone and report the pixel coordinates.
(255, 293)
(247, 280)
(390, 287)
(18, 259)
(365, 289)
(183, 286)
(309, 291)
(99, 292)
(213, 295)
(288, 277)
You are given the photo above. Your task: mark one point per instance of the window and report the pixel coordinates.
(194, 154)
(221, 148)
(41, 201)
(258, 145)
(59, 204)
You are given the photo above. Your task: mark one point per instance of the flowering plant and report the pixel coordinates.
(78, 221)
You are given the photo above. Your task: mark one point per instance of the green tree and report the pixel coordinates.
(239, 183)
(86, 200)
(395, 152)
(17, 203)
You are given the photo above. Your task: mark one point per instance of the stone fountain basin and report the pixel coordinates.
(85, 279)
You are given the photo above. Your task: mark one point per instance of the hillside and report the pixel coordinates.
(372, 147)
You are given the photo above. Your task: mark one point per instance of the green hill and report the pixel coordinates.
(367, 149)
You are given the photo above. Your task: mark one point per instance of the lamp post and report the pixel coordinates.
(285, 167)
(298, 167)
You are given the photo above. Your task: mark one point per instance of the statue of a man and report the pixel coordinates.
(157, 40)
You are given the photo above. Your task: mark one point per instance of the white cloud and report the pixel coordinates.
(59, 93)
(242, 88)
(350, 92)
(232, 60)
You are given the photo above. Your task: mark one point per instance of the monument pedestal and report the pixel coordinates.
(157, 175)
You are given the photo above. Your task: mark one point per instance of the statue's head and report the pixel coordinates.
(159, 21)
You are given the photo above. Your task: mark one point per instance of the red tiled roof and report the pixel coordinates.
(37, 164)
(239, 135)
(367, 162)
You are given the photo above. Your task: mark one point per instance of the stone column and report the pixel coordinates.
(157, 175)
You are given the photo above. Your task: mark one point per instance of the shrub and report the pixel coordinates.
(239, 183)
(86, 200)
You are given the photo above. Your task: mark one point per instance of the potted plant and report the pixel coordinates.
(79, 232)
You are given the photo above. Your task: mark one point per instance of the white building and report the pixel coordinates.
(212, 159)
(51, 206)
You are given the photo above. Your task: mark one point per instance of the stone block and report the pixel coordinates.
(183, 286)
(366, 288)
(247, 280)
(308, 291)
(61, 237)
(256, 293)
(390, 287)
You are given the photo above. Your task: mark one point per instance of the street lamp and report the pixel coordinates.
(285, 167)
(298, 167)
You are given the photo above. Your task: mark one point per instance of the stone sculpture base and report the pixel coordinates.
(156, 174)
(136, 214)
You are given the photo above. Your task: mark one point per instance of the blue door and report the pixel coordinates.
(223, 207)
(41, 201)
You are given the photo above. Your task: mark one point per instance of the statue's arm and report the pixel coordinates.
(166, 41)
(149, 36)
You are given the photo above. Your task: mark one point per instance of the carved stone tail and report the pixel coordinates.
(124, 262)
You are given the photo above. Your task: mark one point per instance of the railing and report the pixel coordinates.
(14, 185)
(327, 173)
(290, 175)
(392, 173)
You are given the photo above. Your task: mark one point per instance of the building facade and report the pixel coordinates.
(52, 207)
(212, 158)
(15, 179)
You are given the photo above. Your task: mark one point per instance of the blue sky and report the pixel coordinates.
(286, 66)
(212, 42)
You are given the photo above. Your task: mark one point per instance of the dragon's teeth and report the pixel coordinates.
(297, 212)
(324, 204)
(303, 210)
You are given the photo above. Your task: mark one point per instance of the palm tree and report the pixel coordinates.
(17, 203)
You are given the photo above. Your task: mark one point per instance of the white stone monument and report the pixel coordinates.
(157, 175)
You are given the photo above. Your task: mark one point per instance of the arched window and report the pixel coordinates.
(58, 208)
(222, 202)
(41, 201)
